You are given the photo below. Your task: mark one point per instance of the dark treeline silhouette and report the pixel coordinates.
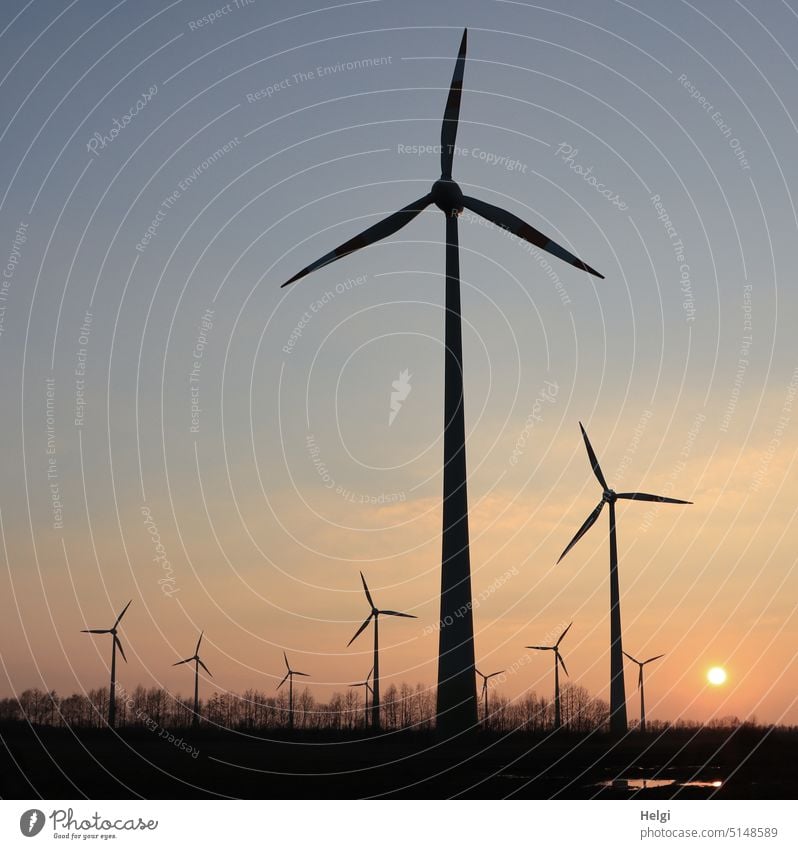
(403, 707)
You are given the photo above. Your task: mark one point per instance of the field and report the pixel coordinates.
(54, 763)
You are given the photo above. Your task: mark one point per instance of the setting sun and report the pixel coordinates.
(716, 676)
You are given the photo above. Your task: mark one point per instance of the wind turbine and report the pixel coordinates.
(290, 676)
(617, 693)
(195, 658)
(485, 690)
(641, 664)
(558, 661)
(375, 615)
(369, 689)
(116, 642)
(457, 695)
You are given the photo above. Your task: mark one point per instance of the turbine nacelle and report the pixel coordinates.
(610, 496)
(447, 196)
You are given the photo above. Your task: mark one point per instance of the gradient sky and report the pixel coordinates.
(293, 479)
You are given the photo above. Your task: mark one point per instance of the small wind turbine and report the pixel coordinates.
(609, 496)
(375, 615)
(116, 642)
(368, 689)
(195, 658)
(558, 661)
(485, 691)
(641, 664)
(290, 677)
(457, 692)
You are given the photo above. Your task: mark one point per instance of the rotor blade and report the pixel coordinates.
(360, 630)
(593, 459)
(633, 659)
(371, 672)
(640, 677)
(303, 674)
(285, 657)
(119, 646)
(478, 672)
(380, 230)
(563, 635)
(540, 648)
(451, 114)
(492, 674)
(284, 680)
(204, 667)
(187, 660)
(396, 613)
(507, 221)
(97, 631)
(588, 523)
(562, 663)
(196, 650)
(368, 594)
(653, 658)
(119, 618)
(644, 496)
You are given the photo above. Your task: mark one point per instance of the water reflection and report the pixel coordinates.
(652, 783)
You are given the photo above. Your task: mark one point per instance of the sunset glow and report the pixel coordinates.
(716, 676)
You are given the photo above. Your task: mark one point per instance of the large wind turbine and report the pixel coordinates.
(558, 661)
(116, 642)
(485, 691)
(457, 696)
(375, 615)
(368, 689)
(290, 676)
(641, 664)
(617, 693)
(195, 659)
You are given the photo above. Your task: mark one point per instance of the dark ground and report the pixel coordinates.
(97, 764)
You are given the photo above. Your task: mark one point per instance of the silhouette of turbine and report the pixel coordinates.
(369, 689)
(195, 658)
(290, 677)
(375, 615)
(618, 723)
(485, 692)
(116, 642)
(641, 664)
(457, 695)
(558, 661)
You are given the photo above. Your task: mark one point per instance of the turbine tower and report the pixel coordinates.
(290, 676)
(457, 695)
(641, 664)
(195, 659)
(368, 689)
(375, 615)
(116, 642)
(558, 661)
(485, 679)
(618, 723)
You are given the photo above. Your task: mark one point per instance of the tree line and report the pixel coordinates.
(403, 707)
